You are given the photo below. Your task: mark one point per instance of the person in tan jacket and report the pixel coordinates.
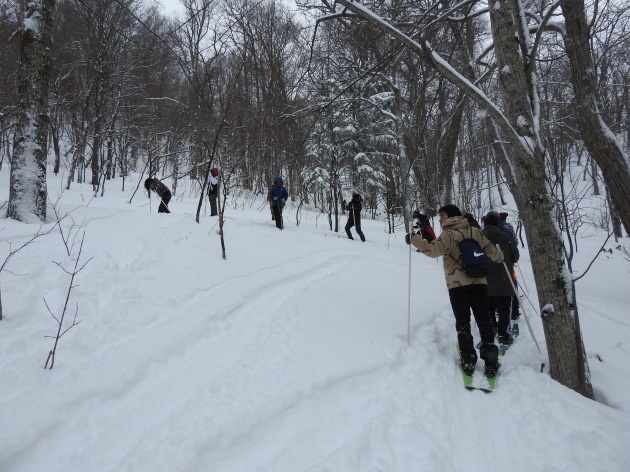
(466, 293)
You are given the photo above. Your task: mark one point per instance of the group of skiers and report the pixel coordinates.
(276, 197)
(478, 265)
(485, 287)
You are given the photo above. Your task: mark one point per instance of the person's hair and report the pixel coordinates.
(471, 220)
(492, 218)
(147, 183)
(450, 210)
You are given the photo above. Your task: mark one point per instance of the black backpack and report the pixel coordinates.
(473, 259)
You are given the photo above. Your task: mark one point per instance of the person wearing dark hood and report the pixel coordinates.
(467, 293)
(500, 289)
(354, 208)
(161, 190)
(213, 190)
(278, 196)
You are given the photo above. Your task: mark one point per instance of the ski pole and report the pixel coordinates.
(409, 291)
(526, 290)
(529, 327)
(169, 210)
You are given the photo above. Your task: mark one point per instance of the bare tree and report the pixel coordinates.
(60, 320)
(601, 143)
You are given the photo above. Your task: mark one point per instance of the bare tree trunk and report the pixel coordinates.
(600, 141)
(54, 130)
(556, 291)
(28, 193)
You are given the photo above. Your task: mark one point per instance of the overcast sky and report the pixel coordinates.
(170, 6)
(174, 6)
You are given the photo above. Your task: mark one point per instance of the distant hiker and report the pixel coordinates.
(277, 196)
(161, 190)
(213, 190)
(422, 224)
(354, 208)
(465, 292)
(500, 291)
(471, 220)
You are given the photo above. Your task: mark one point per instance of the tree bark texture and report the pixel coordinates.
(599, 140)
(554, 283)
(27, 193)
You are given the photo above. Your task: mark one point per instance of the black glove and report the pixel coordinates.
(408, 238)
(423, 220)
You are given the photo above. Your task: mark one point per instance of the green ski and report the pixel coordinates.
(478, 381)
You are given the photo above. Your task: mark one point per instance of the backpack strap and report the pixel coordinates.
(455, 260)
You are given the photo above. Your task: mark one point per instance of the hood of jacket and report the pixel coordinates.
(492, 231)
(457, 223)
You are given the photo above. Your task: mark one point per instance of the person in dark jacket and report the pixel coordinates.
(161, 190)
(278, 196)
(466, 293)
(508, 228)
(354, 208)
(500, 290)
(213, 190)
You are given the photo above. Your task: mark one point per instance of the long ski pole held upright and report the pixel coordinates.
(409, 291)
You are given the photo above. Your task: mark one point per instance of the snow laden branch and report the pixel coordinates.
(425, 50)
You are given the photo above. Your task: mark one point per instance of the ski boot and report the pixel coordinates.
(514, 329)
(467, 367)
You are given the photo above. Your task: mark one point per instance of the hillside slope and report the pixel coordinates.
(291, 355)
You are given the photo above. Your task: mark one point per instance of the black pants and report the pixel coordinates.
(277, 215)
(515, 305)
(166, 197)
(475, 298)
(501, 306)
(357, 227)
(213, 204)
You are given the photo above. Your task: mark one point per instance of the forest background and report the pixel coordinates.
(411, 104)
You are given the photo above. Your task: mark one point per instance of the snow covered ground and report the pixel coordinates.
(291, 355)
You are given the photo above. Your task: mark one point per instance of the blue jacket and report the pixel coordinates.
(276, 194)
